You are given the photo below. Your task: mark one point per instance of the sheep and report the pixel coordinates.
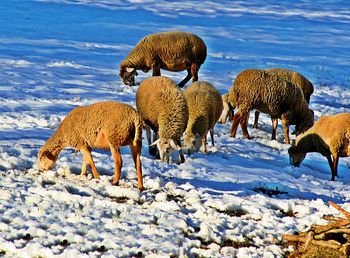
(329, 136)
(103, 125)
(205, 106)
(173, 51)
(269, 93)
(163, 108)
(294, 77)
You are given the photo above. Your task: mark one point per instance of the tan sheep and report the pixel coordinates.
(294, 77)
(270, 94)
(205, 106)
(104, 125)
(163, 108)
(329, 136)
(174, 51)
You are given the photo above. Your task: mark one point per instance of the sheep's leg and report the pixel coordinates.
(155, 71)
(236, 119)
(335, 164)
(187, 78)
(244, 125)
(136, 155)
(89, 160)
(257, 114)
(194, 72)
(330, 163)
(118, 163)
(204, 143)
(83, 168)
(285, 125)
(274, 122)
(212, 136)
(182, 157)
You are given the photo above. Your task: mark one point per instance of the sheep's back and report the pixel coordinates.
(334, 131)
(162, 106)
(113, 120)
(216, 98)
(173, 47)
(296, 78)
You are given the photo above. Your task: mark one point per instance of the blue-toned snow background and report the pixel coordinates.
(56, 55)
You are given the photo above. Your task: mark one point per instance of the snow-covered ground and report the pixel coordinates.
(59, 54)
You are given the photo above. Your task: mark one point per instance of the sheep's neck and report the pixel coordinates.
(55, 143)
(313, 143)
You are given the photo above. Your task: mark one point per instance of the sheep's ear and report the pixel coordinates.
(155, 142)
(174, 145)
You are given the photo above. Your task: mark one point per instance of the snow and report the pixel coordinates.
(59, 54)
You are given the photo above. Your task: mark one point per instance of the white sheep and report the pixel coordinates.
(329, 136)
(270, 94)
(173, 50)
(205, 106)
(103, 125)
(163, 108)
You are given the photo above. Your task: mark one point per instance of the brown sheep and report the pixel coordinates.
(205, 106)
(270, 94)
(329, 136)
(103, 125)
(163, 108)
(294, 77)
(174, 51)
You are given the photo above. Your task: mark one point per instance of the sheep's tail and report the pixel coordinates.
(138, 130)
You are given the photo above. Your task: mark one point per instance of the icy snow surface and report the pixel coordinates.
(59, 54)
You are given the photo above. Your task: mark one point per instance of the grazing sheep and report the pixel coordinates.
(270, 94)
(163, 108)
(104, 125)
(294, 77)
(205, 106)
(174, 51)
(329, 136)
(227, 111)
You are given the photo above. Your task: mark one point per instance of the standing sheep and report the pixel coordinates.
(174, 51)
(104, 125)
(270, 94)
(294, 77)
(163, 108)
(329, 136)
(205, 106)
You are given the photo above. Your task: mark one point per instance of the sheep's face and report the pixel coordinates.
(128, 75)
(46, 160)
(296, 157)
(192, 142)
(166, 148)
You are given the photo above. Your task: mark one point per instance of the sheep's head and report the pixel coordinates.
(166, 148)
(128, 75)
(46, 160)
(296, 156)
(192, 142)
